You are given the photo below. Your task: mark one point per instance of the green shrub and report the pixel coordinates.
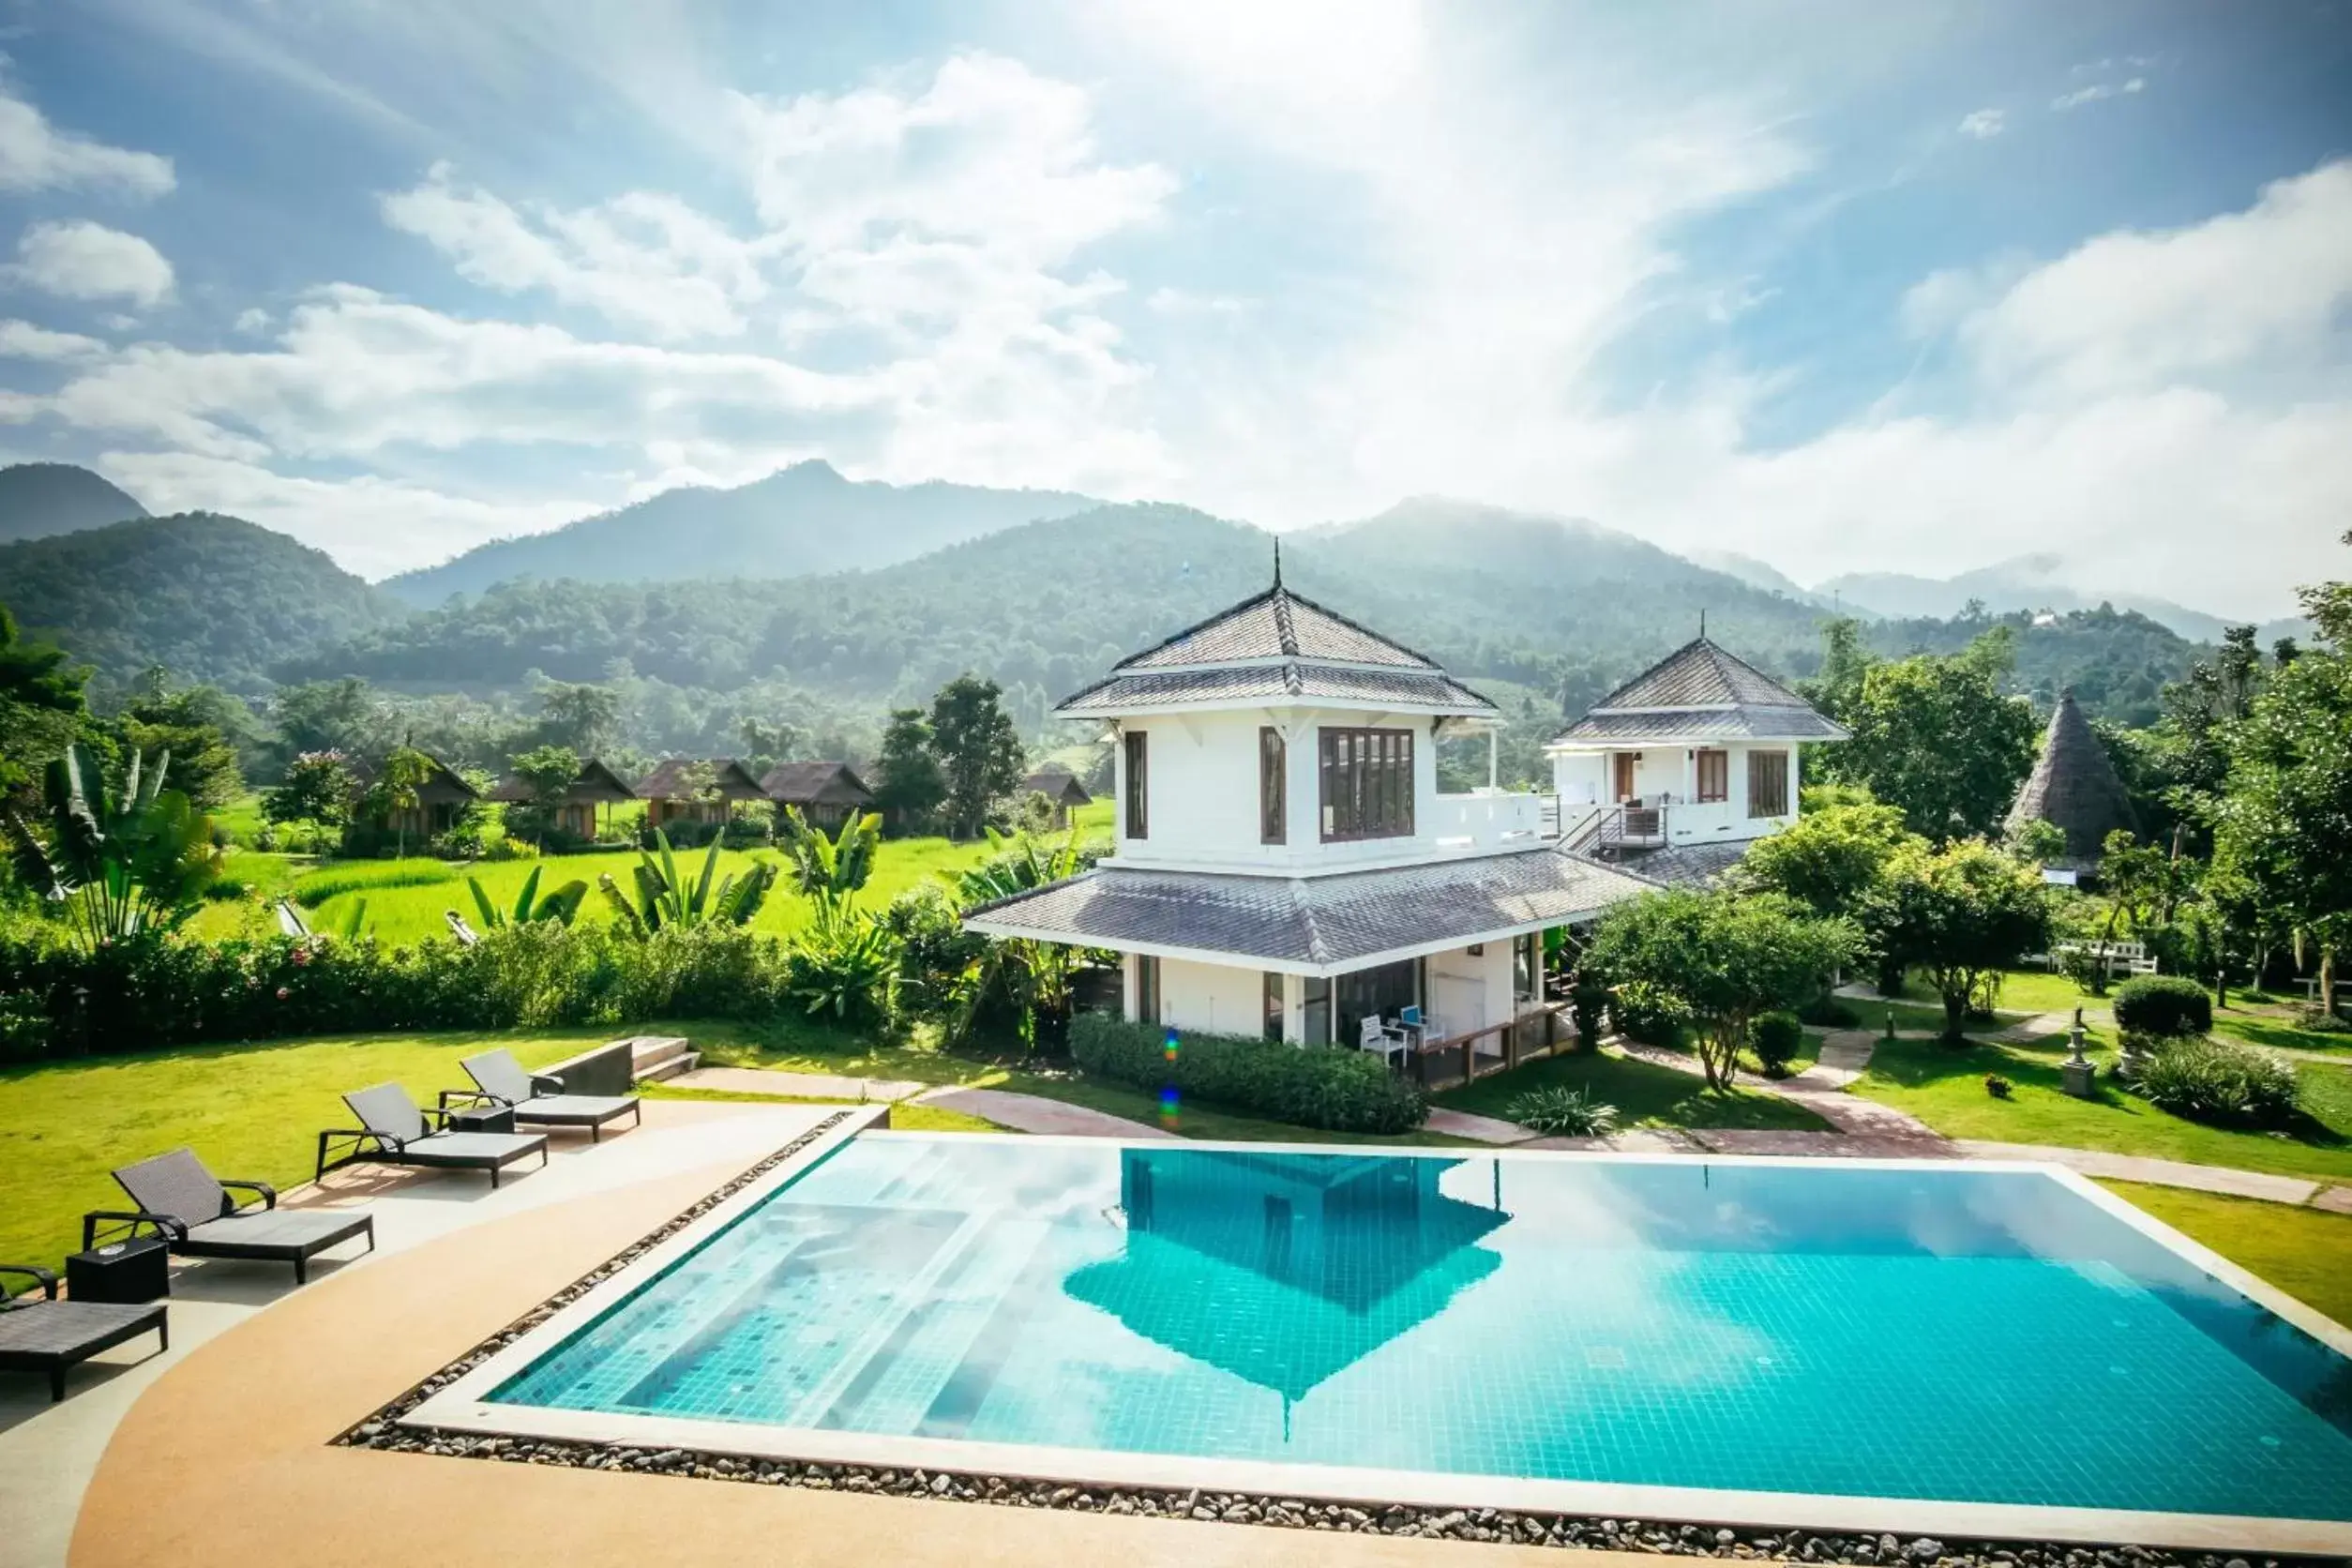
(2163, 1006)
(1776, 1038)
(1563, 1112)
(2216, 1081)
(1586, 1002)
(318, 886)
(1830, 1011)
(2312, 1019)
(1340, 1091)
(845, 971)
(1998, 1087)
(1644, 1011)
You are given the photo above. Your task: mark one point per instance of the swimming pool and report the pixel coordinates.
(1520, 1329)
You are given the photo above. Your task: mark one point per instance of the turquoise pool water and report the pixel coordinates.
(1978, 1336)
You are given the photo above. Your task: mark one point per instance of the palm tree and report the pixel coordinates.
(1035, 976)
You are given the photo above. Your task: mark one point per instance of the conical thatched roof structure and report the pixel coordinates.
(2073, 785)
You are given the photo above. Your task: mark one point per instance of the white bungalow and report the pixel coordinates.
(1675, 773)
(1285, 863)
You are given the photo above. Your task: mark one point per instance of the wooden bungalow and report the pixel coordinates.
(1060, 786)
(825, 792)
(697, 789)
(439, 799)
(597, 786)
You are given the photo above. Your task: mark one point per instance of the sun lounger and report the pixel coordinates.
(395, 1130)
(198, 1216)
(49, 1336)
(540, 1101)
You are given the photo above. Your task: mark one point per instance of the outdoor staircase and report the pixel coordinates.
(656, 1057)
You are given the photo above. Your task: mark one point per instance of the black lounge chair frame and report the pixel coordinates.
(416, 1140)
(183, 1202)
(80, 1328)
(537, 1099)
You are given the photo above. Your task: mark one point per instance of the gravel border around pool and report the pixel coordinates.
(384, 1431)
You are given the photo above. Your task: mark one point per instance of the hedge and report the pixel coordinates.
(2164, 1006)
(1339, 1090)
(156, 990)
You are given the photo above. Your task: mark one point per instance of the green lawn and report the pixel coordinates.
(252, 1111)
(1644, 1095)
(1945, 1089)
(411, 913)
(2306, 1253)
(904, 1117)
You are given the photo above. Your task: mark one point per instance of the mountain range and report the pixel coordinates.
(799, 522)
(858, 595)
(2030, 582)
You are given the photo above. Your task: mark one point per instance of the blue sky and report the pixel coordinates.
(1842, 286)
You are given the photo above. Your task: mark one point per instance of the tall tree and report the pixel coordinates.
(546, 771)
(1936, 738)
(202, 728)
(585, 718)
(1828, 857)
(42, 707)
(908, 784)
(330, 715)
(395, 792)
(979, 751)
(318, 790)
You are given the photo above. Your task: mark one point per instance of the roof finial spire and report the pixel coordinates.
(1702, 625)
(1277, 561)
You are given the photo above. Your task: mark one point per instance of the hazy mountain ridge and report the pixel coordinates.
(2025, 583)
(802, 521)
(39, 500)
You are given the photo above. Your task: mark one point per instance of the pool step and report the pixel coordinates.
(656, 1057)
(903, 1377)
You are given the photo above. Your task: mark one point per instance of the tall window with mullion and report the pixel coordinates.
(1139, 749)
(1767, 783)
(1273, 792)
(1367, 783)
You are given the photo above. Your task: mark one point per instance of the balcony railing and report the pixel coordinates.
(1538, 1031)
(1494, 819)
(1606, 829)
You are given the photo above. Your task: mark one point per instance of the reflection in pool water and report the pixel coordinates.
(1931, 1332)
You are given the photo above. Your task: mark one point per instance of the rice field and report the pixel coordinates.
(406, 899)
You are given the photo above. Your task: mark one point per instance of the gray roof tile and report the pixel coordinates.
(1702, 692)
(1275, 624)
(1706, 724)
(1291, 680)
(1338, 921)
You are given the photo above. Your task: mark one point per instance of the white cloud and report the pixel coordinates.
(1982, 124)
(2096, 92)
(644, 261)
(2257, 288)
(253, 321)
(82, 260)
(372, 525)
(24, 340)
(36, 156)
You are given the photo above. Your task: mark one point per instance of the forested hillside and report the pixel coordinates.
(802, 521)
(214, 599)
(38, 499)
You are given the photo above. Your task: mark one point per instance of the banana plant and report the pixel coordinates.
(830, 870)
(1035, 976)
(664, 897)
(120, 862)
(559, 906)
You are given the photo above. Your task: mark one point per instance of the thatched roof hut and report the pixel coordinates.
(597, 785)
(2074, 786)
(1058, 784)
(825, 792)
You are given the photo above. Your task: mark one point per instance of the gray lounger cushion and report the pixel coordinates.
(386, 1110)
(51, 1337)
(273, 1233)
(176, 1184)
(497, 1074)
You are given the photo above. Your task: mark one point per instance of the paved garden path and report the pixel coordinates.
(1034, 1113)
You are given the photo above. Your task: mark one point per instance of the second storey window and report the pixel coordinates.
(1139, 783)
(1767, 783)
(1273, 793)
(1367, 783)
(1714, 775)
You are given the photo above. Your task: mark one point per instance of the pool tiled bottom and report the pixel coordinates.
(1932, 1333)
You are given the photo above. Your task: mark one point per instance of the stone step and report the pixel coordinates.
(657, 1057)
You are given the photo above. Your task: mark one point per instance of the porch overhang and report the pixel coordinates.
(1319, 925)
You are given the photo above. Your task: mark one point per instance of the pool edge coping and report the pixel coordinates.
(460, 1404)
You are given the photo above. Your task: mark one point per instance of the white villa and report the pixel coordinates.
(1285, 864)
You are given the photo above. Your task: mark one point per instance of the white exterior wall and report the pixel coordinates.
(1461, 991)
(1673, 769)
(1202, 799)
